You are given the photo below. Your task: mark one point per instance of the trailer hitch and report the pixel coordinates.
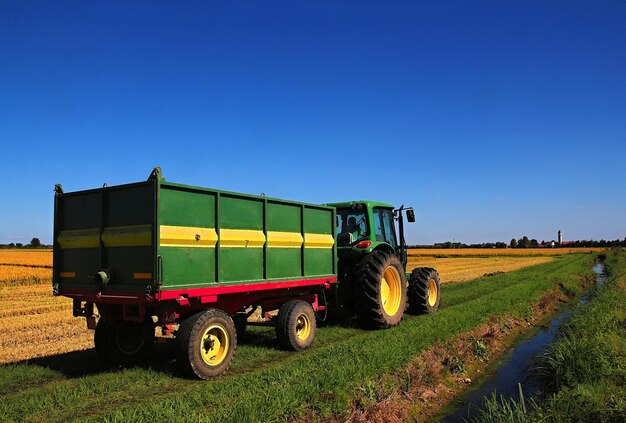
(86, 311)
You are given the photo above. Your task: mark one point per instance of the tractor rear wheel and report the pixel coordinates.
(295, 328)
(424, 291)
(381, 297)
(206, 344)
(123, 343)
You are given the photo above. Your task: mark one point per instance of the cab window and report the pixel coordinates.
(351, 225)
(385, 228)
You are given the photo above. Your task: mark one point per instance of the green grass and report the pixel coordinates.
(501, 409)
(584, 370)
(266, 384)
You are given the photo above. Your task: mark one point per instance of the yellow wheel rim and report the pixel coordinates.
(214, 345)
(432, 292)
(391, 290)
(303, 327)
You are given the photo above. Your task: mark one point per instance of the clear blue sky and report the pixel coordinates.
(493, 119)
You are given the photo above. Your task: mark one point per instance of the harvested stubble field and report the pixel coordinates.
(23, 275)
(42, 258)
(461, 269)
(465, 264)
(447, 252)
(34, 323)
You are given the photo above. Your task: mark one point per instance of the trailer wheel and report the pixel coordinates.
(206, 344)
(101, 340)
(424, 291)
(241, 324)
(295, 328)
(123, 343)
(381, 295)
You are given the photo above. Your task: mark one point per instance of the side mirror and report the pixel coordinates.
(410, 215)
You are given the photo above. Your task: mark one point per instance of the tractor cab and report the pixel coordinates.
(371, 265)
(366, 226)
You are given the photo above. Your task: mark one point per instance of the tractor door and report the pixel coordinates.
(385, 228)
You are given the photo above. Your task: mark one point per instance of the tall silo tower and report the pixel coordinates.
(560, 237)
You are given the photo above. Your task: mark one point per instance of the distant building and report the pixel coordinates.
(560, 238)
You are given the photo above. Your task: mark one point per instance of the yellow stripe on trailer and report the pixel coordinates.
(187, 236)
(80, 238)
(284, 240)
(241, 238)
(115, 236)
(318, 241)
(127, 236)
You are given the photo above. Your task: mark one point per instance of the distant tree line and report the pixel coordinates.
(525, 242)
(34, 243)
(592, 243)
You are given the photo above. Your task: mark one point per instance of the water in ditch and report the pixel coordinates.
(513, 369)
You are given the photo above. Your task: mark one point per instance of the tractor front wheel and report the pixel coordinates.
(295, 328)
(206, 344)
(381, 297)
(424, 291)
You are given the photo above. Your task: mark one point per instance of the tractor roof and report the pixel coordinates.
(368, 203)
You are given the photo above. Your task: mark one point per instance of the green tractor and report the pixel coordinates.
(372, 264)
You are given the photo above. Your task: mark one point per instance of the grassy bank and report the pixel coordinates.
(266, 384)
(584, 369)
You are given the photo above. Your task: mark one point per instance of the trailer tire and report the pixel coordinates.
(295, 327)
(241, 325)
(206, 344)
(101, 339)
(424, 291)
(382, 290)
(123, 343)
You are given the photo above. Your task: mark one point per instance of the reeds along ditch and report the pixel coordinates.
(583, 372)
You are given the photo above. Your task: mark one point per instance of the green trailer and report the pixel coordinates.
(157, 258)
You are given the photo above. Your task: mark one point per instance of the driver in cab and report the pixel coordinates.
(353, 228)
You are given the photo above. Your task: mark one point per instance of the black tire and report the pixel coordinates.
(123, 343)
(424, 291)
(206, 344)
(296, 325)
(373, 310)
(241, 324)
(101, 338)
